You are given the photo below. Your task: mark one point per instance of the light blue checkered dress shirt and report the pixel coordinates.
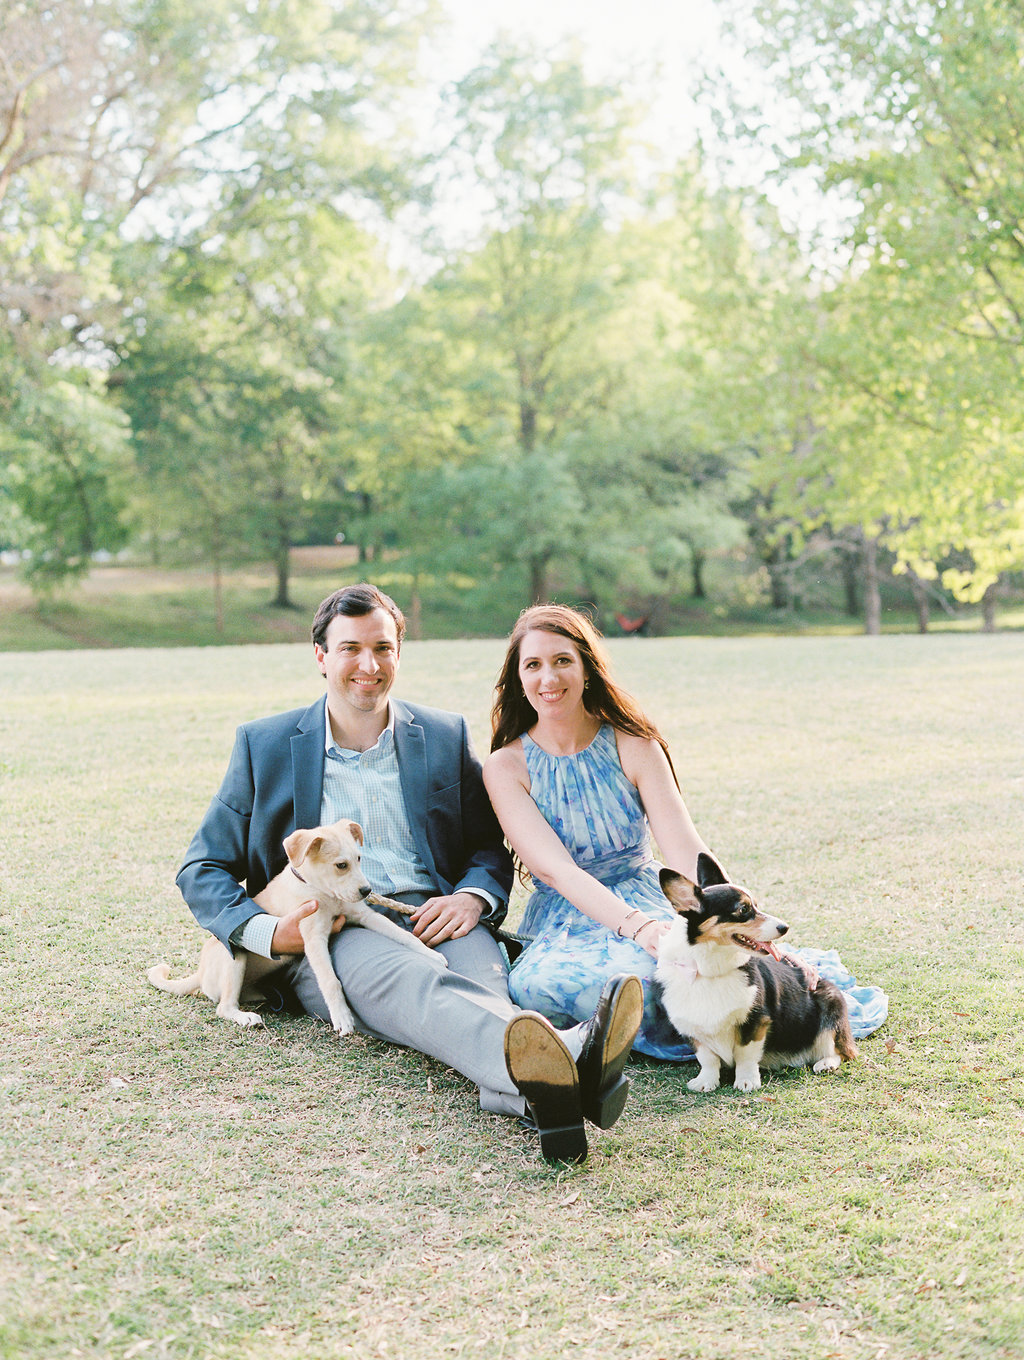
(366, 786)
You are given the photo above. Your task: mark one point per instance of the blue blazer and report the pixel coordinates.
(274, 783)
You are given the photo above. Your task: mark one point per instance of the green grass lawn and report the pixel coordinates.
(173, 1186)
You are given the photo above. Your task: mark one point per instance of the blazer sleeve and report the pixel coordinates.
(226, 852)
(487, 862)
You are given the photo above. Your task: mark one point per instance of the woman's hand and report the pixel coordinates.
(650, 934)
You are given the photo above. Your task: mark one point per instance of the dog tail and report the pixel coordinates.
(838, 1022)
(160, 976)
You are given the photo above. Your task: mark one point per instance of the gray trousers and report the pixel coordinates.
(458, 1016)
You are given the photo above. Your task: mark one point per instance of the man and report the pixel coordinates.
(409, 776)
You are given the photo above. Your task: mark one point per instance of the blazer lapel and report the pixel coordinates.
(411, 749)
(308, 766)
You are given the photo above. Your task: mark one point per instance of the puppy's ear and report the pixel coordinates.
(709, 872)
(356, 832)
(301, 843)
(681, 893)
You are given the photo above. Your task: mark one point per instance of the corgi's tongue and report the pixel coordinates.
(768, 947)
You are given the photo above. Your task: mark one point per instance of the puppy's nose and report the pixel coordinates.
(365, 890)
(782, 928)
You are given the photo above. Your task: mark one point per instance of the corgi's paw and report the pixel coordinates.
(748, 1079)
(704, 1081)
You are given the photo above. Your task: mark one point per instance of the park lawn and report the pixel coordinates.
(173, 1186)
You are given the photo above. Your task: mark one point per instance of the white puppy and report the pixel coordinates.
(323, 862)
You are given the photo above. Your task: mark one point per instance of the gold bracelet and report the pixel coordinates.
(624, 920)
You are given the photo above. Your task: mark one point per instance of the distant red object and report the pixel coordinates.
(629, 625)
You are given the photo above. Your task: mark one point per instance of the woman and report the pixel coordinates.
(580, 778)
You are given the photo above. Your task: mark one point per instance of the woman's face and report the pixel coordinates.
(551, 672)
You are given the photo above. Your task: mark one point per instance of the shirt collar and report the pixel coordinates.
(331, 745)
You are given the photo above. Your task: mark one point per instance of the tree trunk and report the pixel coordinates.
(777, 561)
(527, 426)
(217, 564)
(872, 596)
(415, 610)
(697, 560)
(988, 608)
(366, 553)
(920, 594)
(849, 565)
(218, 594)
(282, 571)
(538, 580)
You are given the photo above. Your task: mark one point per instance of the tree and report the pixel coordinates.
(549, 154)
(65, 469)
(914, 115)
(235, 379)
(188, 124)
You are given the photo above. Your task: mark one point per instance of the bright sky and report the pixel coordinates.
(673, 39)
(663, 44)
(615, 34)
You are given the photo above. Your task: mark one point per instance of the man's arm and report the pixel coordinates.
(219, 860)
(487, 867)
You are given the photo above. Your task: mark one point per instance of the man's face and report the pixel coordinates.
(360, 660)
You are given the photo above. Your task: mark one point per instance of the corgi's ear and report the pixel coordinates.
(301, 843)
(681, 893)
(356, 832)
(709, 872)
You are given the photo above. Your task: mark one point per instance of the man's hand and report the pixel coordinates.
(287, 936)
(446, 918)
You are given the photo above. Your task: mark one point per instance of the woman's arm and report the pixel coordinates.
(530, 836)
(645, 765)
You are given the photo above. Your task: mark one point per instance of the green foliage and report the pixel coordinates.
(913, 113)
(65, 470)
(605, 370)
(234, 381)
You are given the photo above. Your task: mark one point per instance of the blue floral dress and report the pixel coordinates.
(597, 815)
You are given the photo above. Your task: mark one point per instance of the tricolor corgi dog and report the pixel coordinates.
(726, 987)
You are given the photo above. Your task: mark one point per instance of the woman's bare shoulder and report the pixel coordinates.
(638, 753)
(508, 762)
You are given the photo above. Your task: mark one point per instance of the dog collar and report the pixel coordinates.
(296, 873)
(689, 969)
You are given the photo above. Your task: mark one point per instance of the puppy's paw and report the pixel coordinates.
(827, 1064)
(249, 1020)
(704, 1081)
(428, 955)
(748, 1080)
(343, 1025)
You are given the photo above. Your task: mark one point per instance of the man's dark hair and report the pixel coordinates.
(355, 602)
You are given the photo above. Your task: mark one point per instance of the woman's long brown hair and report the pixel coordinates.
(512, 713)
